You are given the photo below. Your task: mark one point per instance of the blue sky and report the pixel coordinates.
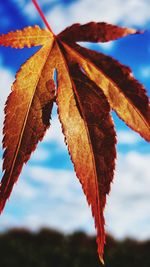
(48, 193)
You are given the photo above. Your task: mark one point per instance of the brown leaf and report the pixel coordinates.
(94, 32)
(122, 98)
(27, 110)
(85, 117)
(122, 76)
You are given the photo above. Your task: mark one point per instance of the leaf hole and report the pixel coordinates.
(55, 76)
(83, 71)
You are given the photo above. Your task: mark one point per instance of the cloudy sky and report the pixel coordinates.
(48, 192)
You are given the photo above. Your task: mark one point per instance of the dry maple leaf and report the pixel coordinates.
(89, 85)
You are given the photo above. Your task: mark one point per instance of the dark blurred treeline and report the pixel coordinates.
(49, 248)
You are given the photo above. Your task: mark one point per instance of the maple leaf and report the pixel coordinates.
(90, 84)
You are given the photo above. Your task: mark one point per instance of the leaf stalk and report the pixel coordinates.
(42, 15)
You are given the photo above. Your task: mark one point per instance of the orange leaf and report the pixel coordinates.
(29, 36)
(85, 117)
(27, 110)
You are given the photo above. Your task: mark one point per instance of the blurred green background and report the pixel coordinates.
(49, 248)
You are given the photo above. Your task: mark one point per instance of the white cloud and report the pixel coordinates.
(128, 209)
(5, 220)
(55, 200)
(40, 155)
(128, 137)
(24, 191)
(145, 72)
(60, 203)
(54, 134)
(107, 46)
(129, 12)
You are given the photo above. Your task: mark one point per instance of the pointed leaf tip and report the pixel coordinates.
(131, 31)
(101, 259)
(134, 31)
